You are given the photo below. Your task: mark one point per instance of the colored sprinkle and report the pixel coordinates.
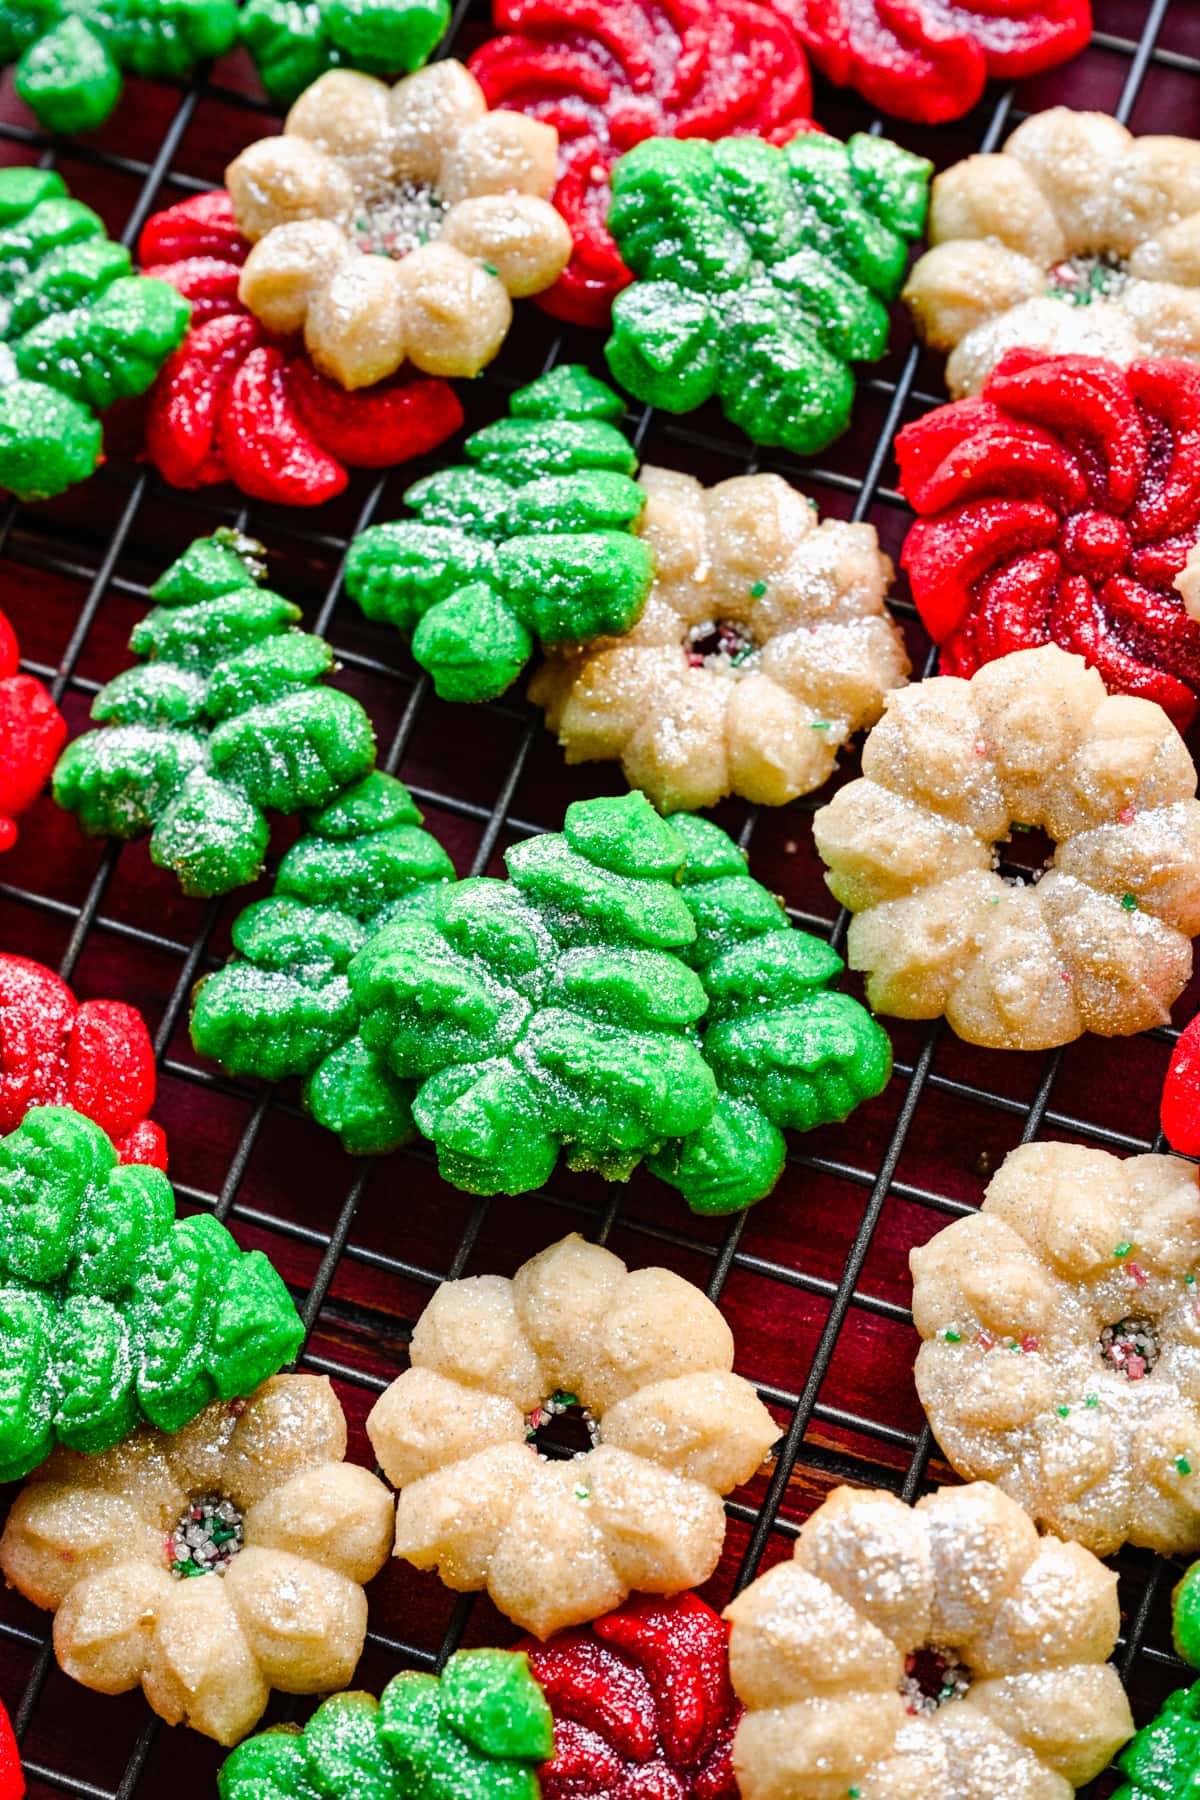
(993, 899)
(822, 725)
(1129, 902)
(1090, 1400)
(980, 747)
(986, 1338)
(1127, 815)
(581, 1492)
(1062, 1411)
(1018, 827)
(1122, 1249)
(1183, 1465)
(1139, 1274)
(490, 269)
(757, 589)
(951, 1336)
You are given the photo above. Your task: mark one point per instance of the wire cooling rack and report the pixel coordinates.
(814, 1281)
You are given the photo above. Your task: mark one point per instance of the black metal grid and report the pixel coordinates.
(74, 579)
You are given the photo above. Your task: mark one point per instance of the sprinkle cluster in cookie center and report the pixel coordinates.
(1130, 1346)
(206, 1539)
(725, 645)
(561, 1427)
(932, 1678)
(1081, 279)
(409, 214)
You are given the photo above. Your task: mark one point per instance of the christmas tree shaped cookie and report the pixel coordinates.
(292, 45)
(78, 330)
(761, 275)
(71, 54)
(284, 1007)
(224, 718)
(529, 541)
(479, 1732)
(630, 992)
(111, 1310)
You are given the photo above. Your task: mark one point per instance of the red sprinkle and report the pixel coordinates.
(1127, 815)
(96, 1057)
(985, 1339)
(1139, 1274)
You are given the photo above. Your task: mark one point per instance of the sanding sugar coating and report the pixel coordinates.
(1076, 238)
(78, 331)
(557, 1543)
(226, 717)
(112, 1310)
(528, 540)
(476, 1732)
(763, 646)
(150, 1584)
(760, 275)
(1062, 1343)
(1101, 942)
(943, 1649)
(398, 223)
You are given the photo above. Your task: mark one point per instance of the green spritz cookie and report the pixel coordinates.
(761, 275)
(71, 54)
(530, 541)
(78, 330)
(294, 41)
(111, 1310)
(787, 1053)
(284, 1007)
(1162, 1762)
(630, 992)
(225, 718)
(479, 1733)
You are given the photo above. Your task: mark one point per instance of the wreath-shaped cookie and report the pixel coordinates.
(212, 1566)
(1061, 1338)
(95, 1057)
(644, 1360)
(234, 403)
(929, 59)
(607, 77)
(1101, 940)
(943, 1649)
(763, 647)
(79, 330)
(761, 275)
(1063, 506)
(1076, 238)
(32, 732)
(394, 224)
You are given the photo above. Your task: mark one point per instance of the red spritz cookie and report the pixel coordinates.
(1062, 505)
(642, 1704)
(12, 1776)
(608, 75)
(32, 732)
(96, 1057)
(234, 404)
(1179, 1111)
(929, 59)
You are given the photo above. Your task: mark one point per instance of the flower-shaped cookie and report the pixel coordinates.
(1076, 238)
(32, 732)
(608, 77)
(292, 45)
(645, 1358)
(761, 275)
(1063, 505)
(939, 1650)
(96, 1058)
(1097, 941)
(78, 330)
(476, 1733)
(212, 1566)
(71, 54)
(764, 645)
(394, 224)
(233, 404)
(929, 59)
(1062, 1343)
(642, 1704)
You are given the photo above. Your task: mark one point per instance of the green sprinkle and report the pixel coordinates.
(951, 1336)
(1183, 1465)
(1062, 1411)
(581, 1492)
(852, 1794)
(562, 1398)
(1090, 1400)
(822, 725)
(1122, 1249)
(993, 899)
(1129, 902)
(1017, 827)
(757, 589)
(490, 269)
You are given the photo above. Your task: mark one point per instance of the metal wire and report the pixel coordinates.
(822, 1440)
